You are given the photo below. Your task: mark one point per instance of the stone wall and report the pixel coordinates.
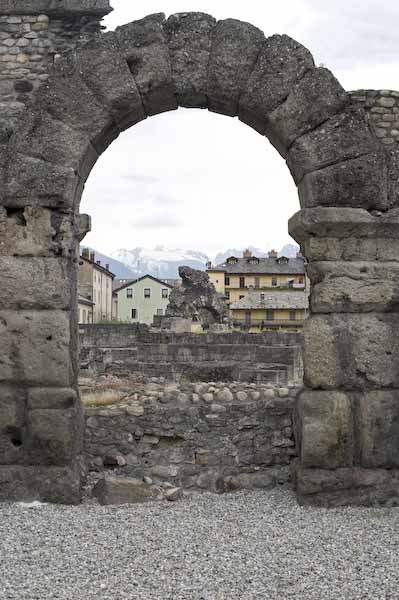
(212, 436)
(383, 108)
(128, 349)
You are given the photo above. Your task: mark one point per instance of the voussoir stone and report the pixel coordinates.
(280, 64)
(144, 45)
(189, 41)
(235, 48)
(344, 136)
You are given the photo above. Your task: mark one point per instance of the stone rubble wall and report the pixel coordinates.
(128, 350)
(383, 108)
(210, 436)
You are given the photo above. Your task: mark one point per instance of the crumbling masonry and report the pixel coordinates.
(66, 92)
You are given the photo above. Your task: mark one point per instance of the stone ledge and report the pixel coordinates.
(55, 8)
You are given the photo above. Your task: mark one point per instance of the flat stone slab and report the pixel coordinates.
(112, 490)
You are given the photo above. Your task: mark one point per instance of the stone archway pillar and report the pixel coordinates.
(348, 416)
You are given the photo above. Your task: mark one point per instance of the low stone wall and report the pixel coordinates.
(211, 436)
(130, 350)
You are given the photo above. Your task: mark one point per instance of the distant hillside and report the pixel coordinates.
(115, 266)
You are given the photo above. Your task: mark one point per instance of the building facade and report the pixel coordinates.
(95, 285)
(262, 311)
(85, 310)
(139, 300)
(237, 276)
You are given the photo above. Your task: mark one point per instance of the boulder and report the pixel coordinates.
(112, 490)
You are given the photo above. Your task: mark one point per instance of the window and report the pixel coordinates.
(159, 312)
(165, 293)
(129, 293)
(262, 297)
(274, 281)
(134, 313)
(269, 315)
(290, 283)
(147, 293)
(292, 315)
(227, 295)
(242, 282)
(300, 280)
(84, 316)
(241, 297)
(257, 282)
(227, 280)
(94, 295)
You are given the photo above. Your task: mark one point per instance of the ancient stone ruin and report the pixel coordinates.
(67, 91)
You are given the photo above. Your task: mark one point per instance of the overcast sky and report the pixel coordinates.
(195, 180)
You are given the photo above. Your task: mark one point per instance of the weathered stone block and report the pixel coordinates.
(47, 484)
(35, 283)
(54, 436)
(189, 40)
(35, 348)
(342, 137)
(354, 286)
(360, 183)
(52, 398)
(314, 99)
(32, 181)
(26, 232)
(108, 75)
(349, 249)
(111, 490)
(12, 424)
(378, 428)
(346, 486)
(333, 222)
(144, 45)
(325, 429)
(352, 351)
(235, 48)
(281, 63)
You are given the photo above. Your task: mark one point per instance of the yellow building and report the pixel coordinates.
(262, 311)
(95, 285)
(235, 277)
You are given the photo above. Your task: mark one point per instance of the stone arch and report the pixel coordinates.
(347, 228)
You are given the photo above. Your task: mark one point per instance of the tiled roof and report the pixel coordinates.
(268, 266)
(83, 300)
(273, 300)
(134, 281)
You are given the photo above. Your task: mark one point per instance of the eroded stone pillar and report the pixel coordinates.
(348, 416)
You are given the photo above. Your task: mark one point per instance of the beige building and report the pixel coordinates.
(85, 310)
(95, 285)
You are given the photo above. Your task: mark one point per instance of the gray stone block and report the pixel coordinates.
(189, 41)
(314, 99)
(342, 137)
(378, 428)
(112, 490)
(235, 48)
(325, 429)
(61, 485)
(144, 45)
(280, 64)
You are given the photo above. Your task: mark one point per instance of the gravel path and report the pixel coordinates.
(243, 546)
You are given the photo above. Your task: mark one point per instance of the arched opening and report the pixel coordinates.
(271, 84)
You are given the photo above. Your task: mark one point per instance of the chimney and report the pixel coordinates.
(209, 265)
(99, 263)
(107, 266)
(272, 254)
(300, 255)
(92, 256)
(247, 253)
(86, 253)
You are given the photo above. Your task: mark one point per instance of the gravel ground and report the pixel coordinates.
(244, 545)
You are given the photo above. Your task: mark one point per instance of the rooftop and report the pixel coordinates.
(269, 265)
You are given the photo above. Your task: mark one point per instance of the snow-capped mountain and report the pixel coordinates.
(160, 262)
(222, 256)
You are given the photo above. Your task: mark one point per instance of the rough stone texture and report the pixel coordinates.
(211, 436)
(354, 286)
(144, 46)
(326, 429)
(235, 49)
(352, 351)
(197, 299)
(112, 490)
(189, 40)
(280, 64)
(378, 423)
(124, 349)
